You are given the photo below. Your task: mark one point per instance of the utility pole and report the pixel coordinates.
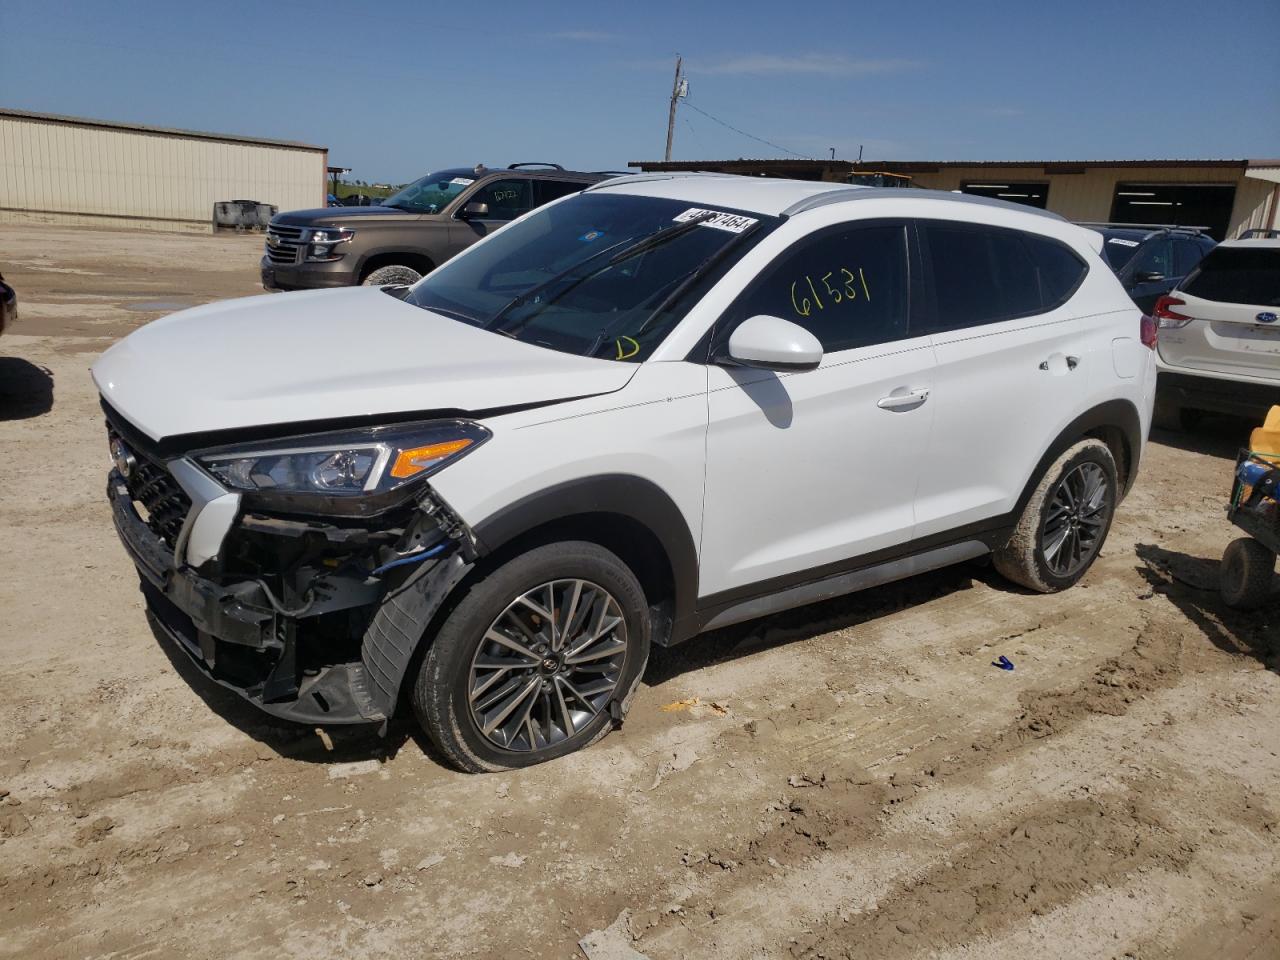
(679, 88)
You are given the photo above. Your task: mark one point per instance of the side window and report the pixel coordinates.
(1058, 270)
(547, 190)
(980, 274)
(847, 286)
(507, 199)
(1154, 256)
(1186, 254)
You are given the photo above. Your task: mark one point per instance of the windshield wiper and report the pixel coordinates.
(629, 249)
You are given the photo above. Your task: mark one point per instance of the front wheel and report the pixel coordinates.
(396, 274)
(1065, 522)
(538, 659)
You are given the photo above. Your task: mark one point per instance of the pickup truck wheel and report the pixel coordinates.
(538, 659)
(1066, 521)
(393, 274)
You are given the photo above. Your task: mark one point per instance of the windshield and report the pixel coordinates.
(600, 275)
(432, 193)
(1118, 249)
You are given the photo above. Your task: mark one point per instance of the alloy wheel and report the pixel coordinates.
(1075, 520)
(547, 665)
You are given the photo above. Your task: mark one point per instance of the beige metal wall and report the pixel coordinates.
(1088, 195)
(69, 173)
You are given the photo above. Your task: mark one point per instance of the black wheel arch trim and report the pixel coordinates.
(1120, 414)
(625, 495)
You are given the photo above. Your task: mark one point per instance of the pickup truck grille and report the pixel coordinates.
(284, 244)
(165, 505)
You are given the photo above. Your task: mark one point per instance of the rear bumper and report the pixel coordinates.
(1238, 397)
(309, 276)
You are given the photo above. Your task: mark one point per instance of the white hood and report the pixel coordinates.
(324, 354)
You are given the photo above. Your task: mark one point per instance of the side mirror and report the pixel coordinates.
(771, 343)
(475, 209)
(1147, 276)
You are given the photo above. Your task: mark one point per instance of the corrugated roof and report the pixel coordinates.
(161, 131)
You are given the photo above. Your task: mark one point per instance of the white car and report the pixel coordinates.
(1219, 334)
(665, 404)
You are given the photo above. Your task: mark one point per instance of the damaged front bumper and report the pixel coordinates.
(331, 643)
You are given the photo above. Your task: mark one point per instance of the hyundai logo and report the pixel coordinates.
(1266, 317)
(122, 457)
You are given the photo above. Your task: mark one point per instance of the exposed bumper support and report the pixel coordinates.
(238, 637)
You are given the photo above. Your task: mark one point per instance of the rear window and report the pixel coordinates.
(985, 274)
(1119, 249)
(1238, 275)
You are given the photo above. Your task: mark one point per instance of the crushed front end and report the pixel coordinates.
(291, 611)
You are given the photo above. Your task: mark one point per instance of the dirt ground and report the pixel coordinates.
(854, 779)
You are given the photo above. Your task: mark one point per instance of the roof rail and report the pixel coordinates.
(904, 193)
(647, 177)
(1172, 228)
(517, 166)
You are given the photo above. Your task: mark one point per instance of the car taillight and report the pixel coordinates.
(1148, 334)
(1164, 316)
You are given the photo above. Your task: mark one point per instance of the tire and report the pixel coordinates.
(394, 274)
(463, 657)
(1034, 555)
(1167, 415)
(1244, 578)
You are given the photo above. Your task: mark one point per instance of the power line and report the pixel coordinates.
(744, 133)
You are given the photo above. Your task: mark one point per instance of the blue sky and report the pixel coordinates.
(395, 89)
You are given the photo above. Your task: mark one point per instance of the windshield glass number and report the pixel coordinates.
(838, 287)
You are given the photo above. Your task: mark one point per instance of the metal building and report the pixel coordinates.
(1225, 196)
(56, 169)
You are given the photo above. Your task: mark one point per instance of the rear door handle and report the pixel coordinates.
(900, 401)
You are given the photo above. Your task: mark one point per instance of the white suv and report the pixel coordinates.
(1219, 334)
(659, 406)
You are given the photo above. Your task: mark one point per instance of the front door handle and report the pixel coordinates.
(901, 401)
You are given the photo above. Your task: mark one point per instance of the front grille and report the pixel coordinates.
(284, 244)
(164, 504)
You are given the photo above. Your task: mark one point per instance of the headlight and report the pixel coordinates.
(331, 235)
(355, 472)
(324, 240)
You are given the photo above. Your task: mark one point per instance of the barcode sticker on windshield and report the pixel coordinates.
(1123, 243)
(721, 221)
(462, 181)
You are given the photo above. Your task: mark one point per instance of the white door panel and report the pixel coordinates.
(813, 468)
(1000, 393)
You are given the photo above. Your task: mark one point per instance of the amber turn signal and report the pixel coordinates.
(415, 460)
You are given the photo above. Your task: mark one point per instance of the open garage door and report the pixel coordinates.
(1176, 204)
(1030, 194)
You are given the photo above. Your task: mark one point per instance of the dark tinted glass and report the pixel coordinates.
(507, 199)
(1119, 250)
(547, 190)
(1238, 275)
(1186, 254)
(1154, 256)
(847, 287)
(981, 274)
(1058, 270)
